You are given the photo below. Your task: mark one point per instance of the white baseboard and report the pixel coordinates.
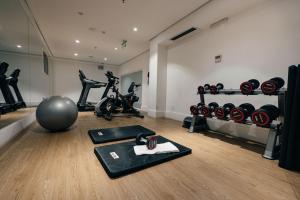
(176, 115)
(156, 113)
(9, 132)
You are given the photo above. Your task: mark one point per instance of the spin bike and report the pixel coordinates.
(112, 106)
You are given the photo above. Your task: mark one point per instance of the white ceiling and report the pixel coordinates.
(61, 25)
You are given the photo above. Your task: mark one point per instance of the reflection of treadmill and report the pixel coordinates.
(87, 84)
(9, 106)
(13, 82)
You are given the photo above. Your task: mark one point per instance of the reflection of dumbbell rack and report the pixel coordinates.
(275, 128)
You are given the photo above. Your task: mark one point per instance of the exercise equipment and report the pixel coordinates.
(214, 89)
(87, 84)
(150, 141)
(109, 106)
(206, 111)
(56, 113)
(5, 107)
(248, 87)
(265, 115)
(10, 104)
(99, 136)
(13, 82)
(203, 89)
(120, 159)
(272, 86)
(223, 112)
(200, 123)
(194, 110)
(241, 113)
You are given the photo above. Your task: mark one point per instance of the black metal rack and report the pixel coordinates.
(275, 129)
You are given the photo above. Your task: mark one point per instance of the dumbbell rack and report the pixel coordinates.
(275, 129)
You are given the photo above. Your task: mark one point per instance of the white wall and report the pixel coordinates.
(259, 43)
(33, 84)
(140, 63)
(66, 81)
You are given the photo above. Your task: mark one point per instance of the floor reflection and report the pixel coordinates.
(14, 116)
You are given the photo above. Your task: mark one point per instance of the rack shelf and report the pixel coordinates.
(275, 129)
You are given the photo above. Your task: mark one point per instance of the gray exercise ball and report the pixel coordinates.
(56, 113)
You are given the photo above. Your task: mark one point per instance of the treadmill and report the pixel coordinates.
(9, 106)
(13, 82)
(87, 84)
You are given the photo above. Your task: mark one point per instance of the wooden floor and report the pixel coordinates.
(39, 165)
(12, 117)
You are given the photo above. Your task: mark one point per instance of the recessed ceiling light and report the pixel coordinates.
(19, 46)
(105, 59)
(77, 41)
(135, 29)
(75, 54)
(116, 48)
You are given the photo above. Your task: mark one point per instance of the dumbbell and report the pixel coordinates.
(272, 86)
(214, 89)
(241, 113)
(248, 87)
(150, 142)
(195, 108)
(265, 115)
(222, 112)
(207, 110)
(203, 89)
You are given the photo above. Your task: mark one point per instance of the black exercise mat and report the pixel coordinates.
(99, 136)
(120, 159)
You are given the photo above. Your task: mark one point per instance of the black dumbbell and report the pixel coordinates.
(207, 110)
(272, 86)
(214, 89)
(203, 89)
(150, 141)
(265, 115)
(222, 112)
(248, 87)
(241, 113)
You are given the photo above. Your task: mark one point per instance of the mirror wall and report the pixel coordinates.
(22, 78)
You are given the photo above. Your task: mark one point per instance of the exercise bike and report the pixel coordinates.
(111, 106)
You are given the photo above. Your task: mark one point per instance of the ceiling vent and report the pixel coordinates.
(219, 22)
(184, 33)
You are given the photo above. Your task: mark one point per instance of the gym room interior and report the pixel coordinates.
(150, 99)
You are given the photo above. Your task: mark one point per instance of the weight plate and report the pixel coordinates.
(255, 83)
(205, 111)
(279, 81)
(237, 115)
(246, 88)
(219, 112)
(269, 87)
(261, 118)
(249, 108)
(194, 110)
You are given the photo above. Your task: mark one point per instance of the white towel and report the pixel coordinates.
(167, 147)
